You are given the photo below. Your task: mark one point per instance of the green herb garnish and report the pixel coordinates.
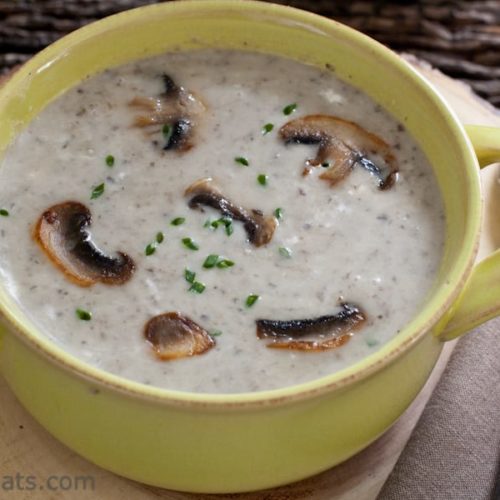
(189, 275)
(160, 237)
(197, 287)
(83, 315)
(4, 212)
(97, 191)
(227, 222)
(251, 300)
(189, 243)
(242, 161)
(150, 249)
(325, 164)
(285, 252)
(223, 263)
(215, 333)
(262, 179)
(216, 261)
(167, 132)
(178, 221)
(267, 128)
(278, 213)
(211, 261)
(288, 110)
(110, 160)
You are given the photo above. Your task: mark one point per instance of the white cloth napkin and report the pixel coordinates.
(454, 452)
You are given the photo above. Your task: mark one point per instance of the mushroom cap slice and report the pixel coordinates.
(342, 144)
(259, 228)
(175, 107)
(180, 135)
(331, 331)
(61, 232)
(175, 336)
(312, 345)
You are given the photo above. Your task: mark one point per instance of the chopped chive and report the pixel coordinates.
(210, 261)
(83, 315)
(278, 213)
(251, 300)
(189, 275)
(110, 160)
(215, 333)
(267, 128)
(227, 222)
(223, 263)
(160, 237)
(262, 179)
(285, 252)
(150, 249)
(325, 164)
(97, 191)
(197, 287)
(371, 342)
(189, 243)
(288, 110)
(4, 212)
(178, 221)
(242, 161)
(167, 132)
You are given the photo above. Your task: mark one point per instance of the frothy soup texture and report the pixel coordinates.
(239, 187)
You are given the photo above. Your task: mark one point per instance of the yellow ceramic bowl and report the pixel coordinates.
(229, 443)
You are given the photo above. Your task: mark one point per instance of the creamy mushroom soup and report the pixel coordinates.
(218, 222)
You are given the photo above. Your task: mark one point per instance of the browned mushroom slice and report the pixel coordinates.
(330, 331)
(61, 231)
(173, 113)
(174, 336)
(259, 229)
(342, 144)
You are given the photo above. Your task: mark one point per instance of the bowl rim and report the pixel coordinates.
(392, 350)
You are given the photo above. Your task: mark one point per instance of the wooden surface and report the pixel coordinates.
(28, 450)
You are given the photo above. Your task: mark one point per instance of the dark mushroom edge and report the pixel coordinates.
(174, 336)
(259, 228)
(173, 114)
(332, 331)
(342, 145)
(62, 233)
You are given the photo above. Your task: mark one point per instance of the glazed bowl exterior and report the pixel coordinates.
(231, 443)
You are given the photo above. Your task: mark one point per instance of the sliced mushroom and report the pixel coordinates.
(259, 229)
(176, 108)
(330, 331)
(342, 144)
(174, 336)
(62, 233)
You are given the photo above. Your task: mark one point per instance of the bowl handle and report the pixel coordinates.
(3, 332)
(480, 300)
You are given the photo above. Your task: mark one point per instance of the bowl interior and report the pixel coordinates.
(268, 28)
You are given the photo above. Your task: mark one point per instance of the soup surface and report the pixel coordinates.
(352, 242)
